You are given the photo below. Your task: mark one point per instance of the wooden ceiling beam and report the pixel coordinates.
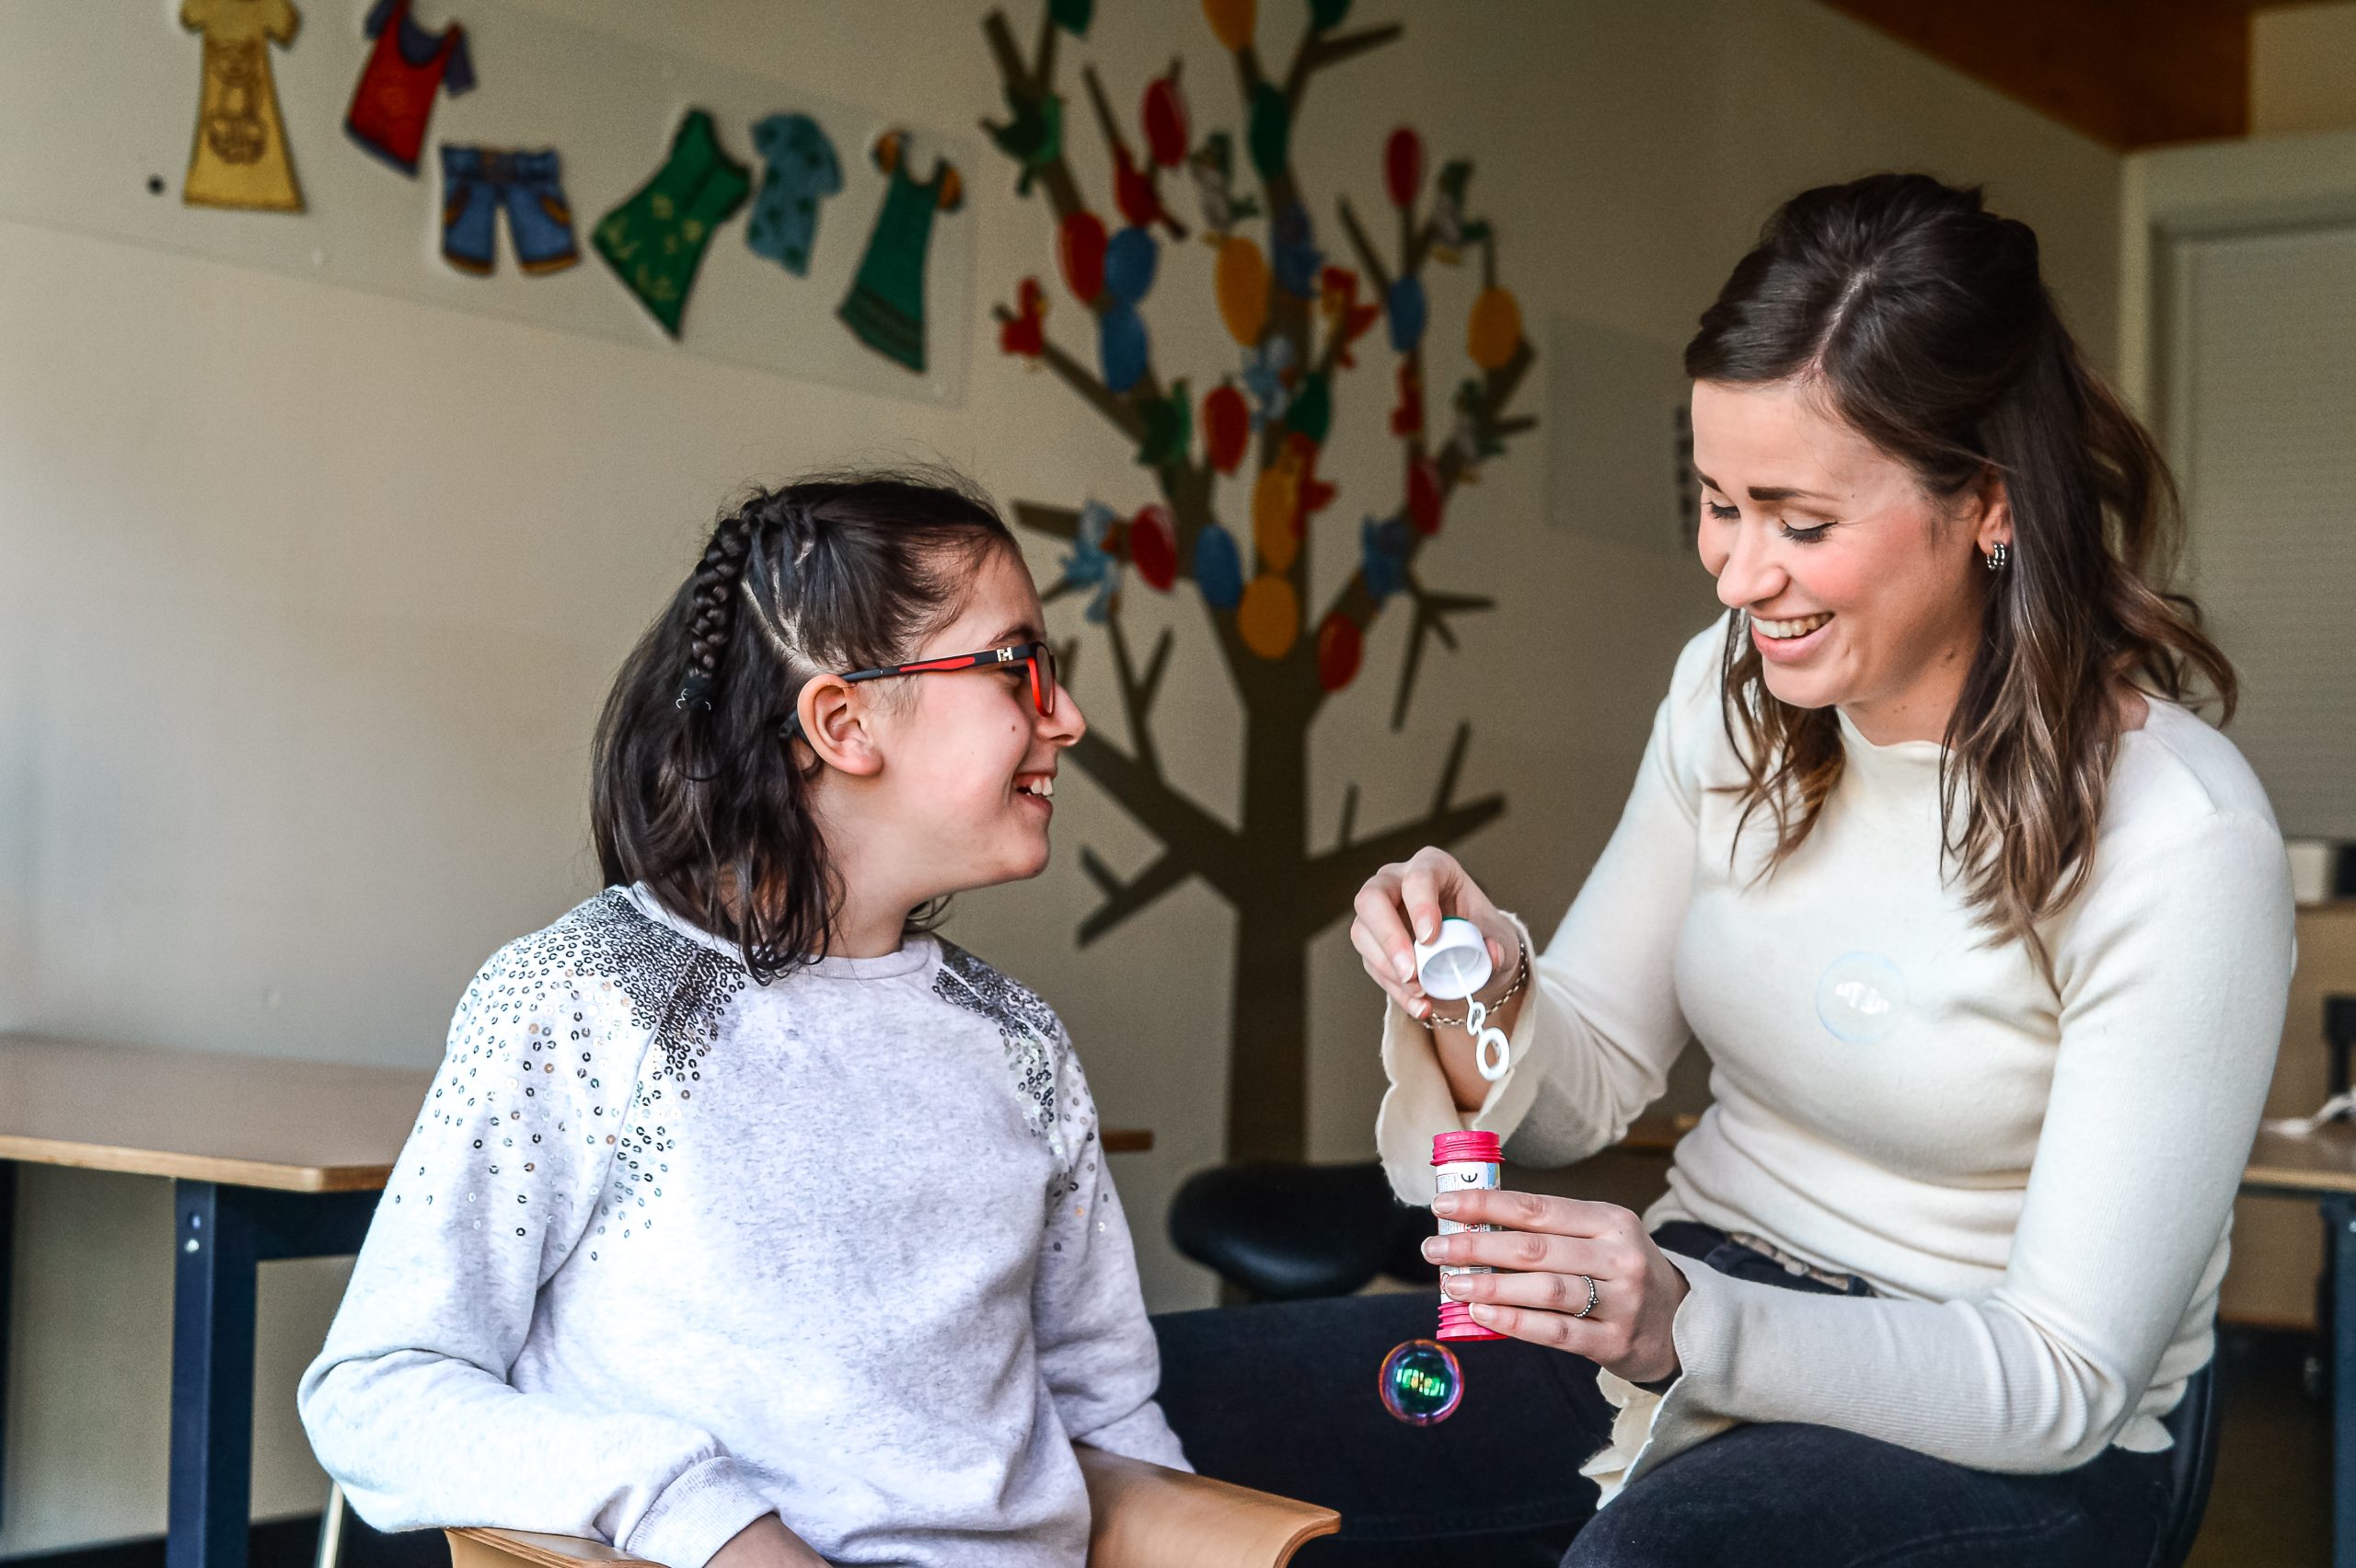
(2127, 73)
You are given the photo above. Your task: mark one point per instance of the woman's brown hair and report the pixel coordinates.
(1922, 318)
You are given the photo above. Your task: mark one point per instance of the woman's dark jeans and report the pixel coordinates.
(1283, 1397)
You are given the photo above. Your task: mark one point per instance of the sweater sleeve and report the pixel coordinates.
(2173, 970)
(1592, 1046)
(1095, 1346)
(409, 1403)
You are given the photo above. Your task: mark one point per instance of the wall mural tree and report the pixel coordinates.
(1299, 322)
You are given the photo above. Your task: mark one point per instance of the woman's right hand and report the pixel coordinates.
(1403, 904)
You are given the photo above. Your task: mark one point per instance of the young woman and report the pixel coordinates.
(746, 1223)
(1987, 939)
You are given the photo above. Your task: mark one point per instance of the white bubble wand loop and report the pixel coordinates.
(1455, 963)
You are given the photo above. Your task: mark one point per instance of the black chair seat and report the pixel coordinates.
(1281, 1232)
(2198, 1425)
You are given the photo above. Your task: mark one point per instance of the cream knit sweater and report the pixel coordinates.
(2037, 1177)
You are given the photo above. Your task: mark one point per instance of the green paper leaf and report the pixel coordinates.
(1327, 14)
(1271, 132)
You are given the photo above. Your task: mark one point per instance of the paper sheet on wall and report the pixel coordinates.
(608, 105)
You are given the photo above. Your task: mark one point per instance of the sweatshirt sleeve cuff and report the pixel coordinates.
(1419, 1105)
(1143, 1433)
(699, 1512)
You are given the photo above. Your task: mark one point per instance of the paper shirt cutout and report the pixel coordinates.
(1227, 428)
(1080, 251)
(803, 172)
(1269, 618)
(885, 306)
(1233, 21)
(1297, 260)
(478, 183)
(1213, 167)
(1129, 259)
(394, 99)
(1493, 331)
(1403, 166)
(655, 241)
(1153, 546)
(1218, 568)
(1339, 650)
(1168, 429)
(1122, 347)
(240, 157)
(1241, 280)
(1026, 333)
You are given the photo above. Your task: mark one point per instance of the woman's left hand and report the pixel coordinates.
(1550, 1243)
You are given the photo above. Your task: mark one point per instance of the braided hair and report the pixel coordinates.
(699, 790)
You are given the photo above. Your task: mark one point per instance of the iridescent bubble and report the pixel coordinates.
(1421, 1382)
(1861, 998)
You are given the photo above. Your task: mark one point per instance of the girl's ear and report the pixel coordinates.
(835, 724)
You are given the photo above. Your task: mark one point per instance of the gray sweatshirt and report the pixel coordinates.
(668, 1252)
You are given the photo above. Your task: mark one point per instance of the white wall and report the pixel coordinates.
(307, 596)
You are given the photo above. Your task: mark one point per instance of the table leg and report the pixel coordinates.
(221, 1236)
(213, 1377)
(2339, 1214)
(7, 1289)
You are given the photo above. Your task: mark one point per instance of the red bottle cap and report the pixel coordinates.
(1456, 1323)
(1466, 1148)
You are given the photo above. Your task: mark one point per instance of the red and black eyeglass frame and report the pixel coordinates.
(1037, 655)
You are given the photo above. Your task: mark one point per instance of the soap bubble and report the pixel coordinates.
(1861, 998)
(1421, 1382)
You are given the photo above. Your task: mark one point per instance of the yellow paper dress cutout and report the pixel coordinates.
(240, 158)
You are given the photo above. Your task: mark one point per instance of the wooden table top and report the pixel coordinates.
(2324, 1161)
(246, 1121)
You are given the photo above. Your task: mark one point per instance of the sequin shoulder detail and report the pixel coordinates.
(1036, 1050)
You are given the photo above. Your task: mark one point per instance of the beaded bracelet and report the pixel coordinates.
(1521, 978)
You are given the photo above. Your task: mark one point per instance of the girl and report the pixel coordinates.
(746, 1222)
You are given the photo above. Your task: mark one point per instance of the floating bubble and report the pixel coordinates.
(1421, 1382)
(1861, 998)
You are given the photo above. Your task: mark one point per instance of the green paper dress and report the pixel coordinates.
(885, 306)
(655, 241)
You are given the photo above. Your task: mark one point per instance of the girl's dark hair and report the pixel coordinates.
(1923, 320)
(696, 791)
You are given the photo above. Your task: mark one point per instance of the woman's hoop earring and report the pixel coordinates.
(1999, 555)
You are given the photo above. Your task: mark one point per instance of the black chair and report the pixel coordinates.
(2196, 1424)
(1281, 1232)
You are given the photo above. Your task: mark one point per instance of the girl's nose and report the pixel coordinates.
(1067, 723)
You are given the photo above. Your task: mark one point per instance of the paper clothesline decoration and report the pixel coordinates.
(478, 183)
(239, 157)
(655, 241)
(803, 172)
(885, 306)
(406, 71)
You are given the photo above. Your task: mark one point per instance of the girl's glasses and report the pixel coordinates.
(1037, 655)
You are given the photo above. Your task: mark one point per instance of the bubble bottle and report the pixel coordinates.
(1462, 1162)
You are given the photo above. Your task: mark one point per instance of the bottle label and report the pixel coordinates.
(1457, 1177)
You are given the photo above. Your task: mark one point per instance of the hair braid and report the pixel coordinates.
(712, 591)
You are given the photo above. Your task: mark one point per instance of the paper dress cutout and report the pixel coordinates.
(885, 306)
(803, 172)
(408, 68)
(655, 241)
(240, 158)
(477, 182)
